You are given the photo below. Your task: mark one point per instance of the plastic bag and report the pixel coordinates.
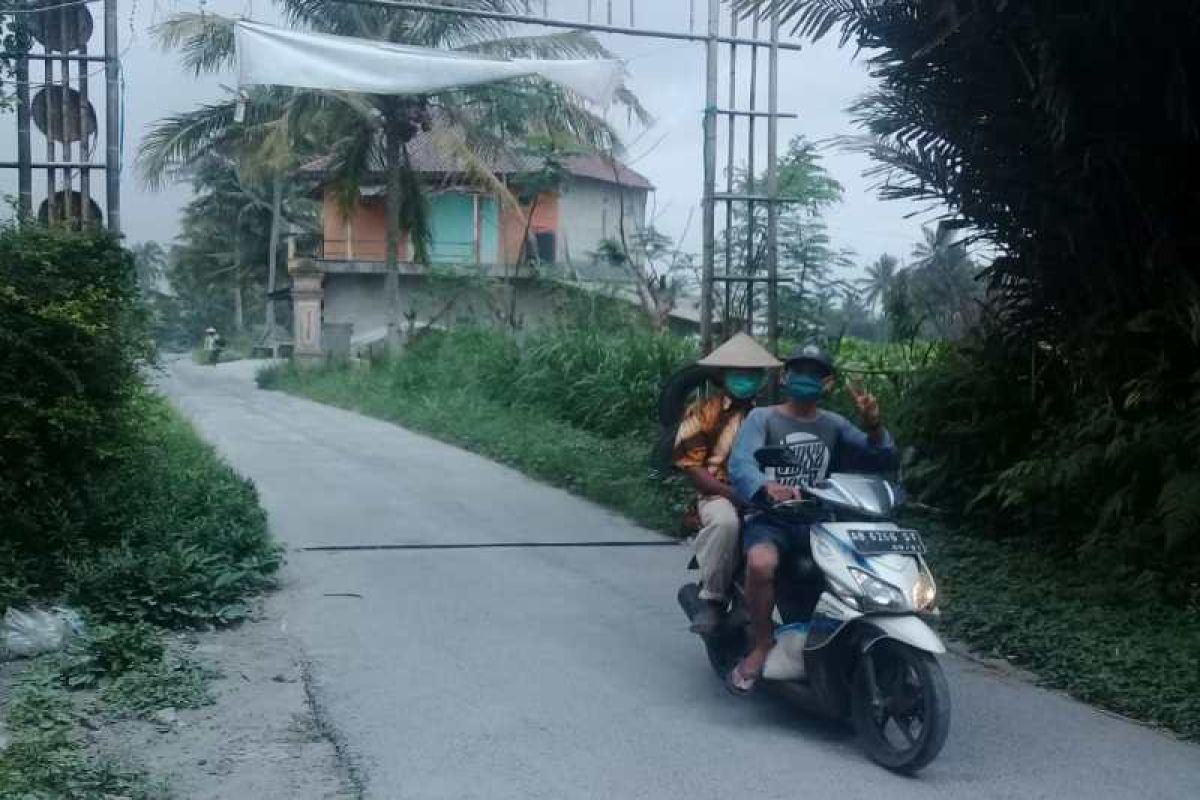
(34, 631)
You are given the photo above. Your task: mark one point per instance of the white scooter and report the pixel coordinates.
(867, 653)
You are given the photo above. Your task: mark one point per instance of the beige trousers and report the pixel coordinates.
(716, 546)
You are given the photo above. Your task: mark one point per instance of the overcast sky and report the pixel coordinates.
(817, 84)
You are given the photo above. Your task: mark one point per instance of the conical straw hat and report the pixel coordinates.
(740, 352)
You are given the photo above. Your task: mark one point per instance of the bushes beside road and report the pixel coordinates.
(109, 502)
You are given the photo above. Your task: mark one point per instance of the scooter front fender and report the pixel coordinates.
(906, 628)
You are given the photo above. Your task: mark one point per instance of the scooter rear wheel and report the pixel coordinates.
(907, 729)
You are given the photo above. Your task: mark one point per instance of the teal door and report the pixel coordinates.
(452, 225)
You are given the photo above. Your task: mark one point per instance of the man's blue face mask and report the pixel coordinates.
(804, 388)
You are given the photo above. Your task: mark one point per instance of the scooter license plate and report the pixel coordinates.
(877, 542)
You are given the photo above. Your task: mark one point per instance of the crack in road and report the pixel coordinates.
(334, 548)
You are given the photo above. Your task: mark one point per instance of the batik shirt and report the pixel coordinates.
(706, 435)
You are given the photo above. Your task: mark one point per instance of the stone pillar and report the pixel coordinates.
(307, 294)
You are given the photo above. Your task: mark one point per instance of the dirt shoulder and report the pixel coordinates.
(260, 739)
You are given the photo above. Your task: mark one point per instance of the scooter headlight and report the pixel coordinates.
(877, 595)
(924, 592)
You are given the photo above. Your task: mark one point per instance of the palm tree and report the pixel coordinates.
(881, 275)
(370, 133)
(265, 150)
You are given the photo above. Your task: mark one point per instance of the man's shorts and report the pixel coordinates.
(788, 540)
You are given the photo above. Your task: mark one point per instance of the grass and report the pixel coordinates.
(1011, 601)
(1003, 599)
(172, 538)
(46, 757)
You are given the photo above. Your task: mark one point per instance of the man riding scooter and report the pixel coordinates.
(821, 441)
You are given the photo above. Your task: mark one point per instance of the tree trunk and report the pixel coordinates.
(391, 280)
(239, 318)
(273, 253)
(522, 257)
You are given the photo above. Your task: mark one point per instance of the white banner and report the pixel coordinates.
(270, 55)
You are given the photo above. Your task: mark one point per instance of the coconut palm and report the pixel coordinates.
(880, 276)
(370, 134)
(265, 147)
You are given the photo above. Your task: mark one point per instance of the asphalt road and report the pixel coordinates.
(568, 672)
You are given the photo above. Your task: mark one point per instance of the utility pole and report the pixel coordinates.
(112, 119)
(773, 187)
(708, 209)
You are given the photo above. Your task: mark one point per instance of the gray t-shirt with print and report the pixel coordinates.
(827, 442)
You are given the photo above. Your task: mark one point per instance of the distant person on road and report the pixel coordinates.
(702, 448)
(213, 345)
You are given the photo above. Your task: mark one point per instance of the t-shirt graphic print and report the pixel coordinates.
(812, 455)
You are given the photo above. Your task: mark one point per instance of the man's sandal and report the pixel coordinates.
(739, 683)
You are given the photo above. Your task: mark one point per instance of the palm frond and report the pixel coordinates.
(178, 140)
(568, 44)
(206, 40)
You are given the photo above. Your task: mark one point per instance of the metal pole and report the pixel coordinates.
(85, 179)
(112, 122)
(24, 151)
(65, 114)
(773, 188)
(51, 148)
(730, 167)
(502, 16)
(751, 180)
(712, 56)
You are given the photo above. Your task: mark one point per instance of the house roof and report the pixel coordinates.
(441, 151)
(610, 170)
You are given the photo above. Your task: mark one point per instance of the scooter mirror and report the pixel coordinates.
(775, 457)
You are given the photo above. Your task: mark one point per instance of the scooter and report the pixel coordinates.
(867, 653)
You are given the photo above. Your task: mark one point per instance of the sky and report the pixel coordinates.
(817, 84)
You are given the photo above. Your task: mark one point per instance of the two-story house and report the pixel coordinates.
(476, 243)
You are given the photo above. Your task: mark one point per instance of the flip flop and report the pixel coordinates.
(740, 684)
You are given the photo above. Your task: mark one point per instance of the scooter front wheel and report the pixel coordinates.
(904, 726)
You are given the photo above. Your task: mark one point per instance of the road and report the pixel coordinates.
(557, 673)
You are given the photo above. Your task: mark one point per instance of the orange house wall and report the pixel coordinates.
(512, 225)
(369, 232)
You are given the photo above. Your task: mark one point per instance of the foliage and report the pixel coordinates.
(218, 265)
(169, 682)
(937, 295)
(1016, 602)
(603, 383)
(110, 649)
(1113, 487)
(807, 256)
(1063, 136)
(46, 758)
(71, 343)
(184, 538)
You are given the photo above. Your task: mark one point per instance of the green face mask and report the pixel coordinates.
(743, 385)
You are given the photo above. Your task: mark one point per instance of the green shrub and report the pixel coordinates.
(72, 338)
(183, 538)
(1110, 483)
